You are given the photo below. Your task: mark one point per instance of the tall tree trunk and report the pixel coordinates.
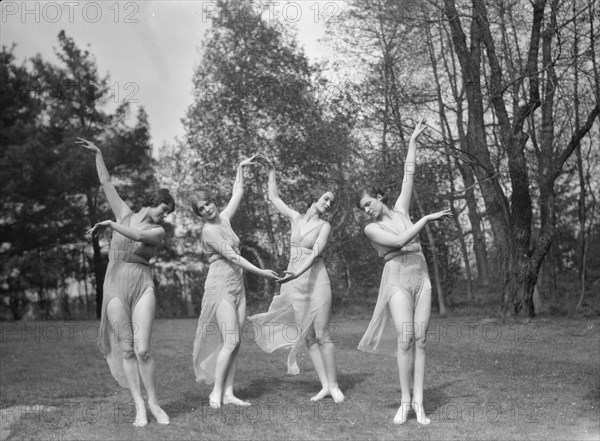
(477, 233)
(99, 269)
(448, 139)
(478, 236)
(441, 296)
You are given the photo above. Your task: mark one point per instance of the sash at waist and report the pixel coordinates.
(216, 256)
(128, 257)
(411, 249)
(297, 251)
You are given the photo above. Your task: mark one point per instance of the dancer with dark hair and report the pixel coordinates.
(404, 302)
(300, 313)
(129, 305)
(218, 336)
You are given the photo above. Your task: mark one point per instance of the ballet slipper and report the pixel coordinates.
(232, 399)
(420, 413)
(336, 394)
(322, 394)
(214, 401)
(141, 418)
(160, 415)
(402, 414)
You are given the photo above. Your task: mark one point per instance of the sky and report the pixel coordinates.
(149, 48)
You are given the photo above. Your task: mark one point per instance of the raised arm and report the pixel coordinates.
(214, 240)
(279, 205)
(391, 240)
(403, 202)
(318, 248)
(118, 206)
(152, 236)
(238, 188)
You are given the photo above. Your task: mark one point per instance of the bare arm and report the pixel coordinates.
(118, 206)
(318, 248)
(279, 205)
(214, 240)
(238, 189)
(403, 202)
(391, 240)
(153, 236)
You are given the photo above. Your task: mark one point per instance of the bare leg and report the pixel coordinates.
(121, 325)
(142, 321)
(402, 316)
(230, 332)
(422, 313)
(327, 356)
(228, 396)
(317, 361)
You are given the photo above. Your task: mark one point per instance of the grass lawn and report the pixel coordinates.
(485, 380)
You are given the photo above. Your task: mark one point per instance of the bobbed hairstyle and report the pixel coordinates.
(372, 192)
(201, 196)
(316, 192)
(158, 197)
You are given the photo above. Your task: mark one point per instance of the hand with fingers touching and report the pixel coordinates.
(419, 128)
(264, 159)
(88, 145)
(99, 227)
(288, 276)
(270, 274)
(440, 215)
(253, 160)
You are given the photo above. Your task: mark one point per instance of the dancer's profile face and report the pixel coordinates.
(159, 213)
(372, 206)
(325, 202)
(207, 209)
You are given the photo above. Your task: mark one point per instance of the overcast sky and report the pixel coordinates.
(149, 48)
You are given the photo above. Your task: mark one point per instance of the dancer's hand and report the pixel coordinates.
(270, 274)
(249, 161)
(264, 159)
(88, 145)
(440, 215)
(99, 227)
(419, 128)
(288, 275)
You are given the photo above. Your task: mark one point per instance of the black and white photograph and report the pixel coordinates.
(300, 220)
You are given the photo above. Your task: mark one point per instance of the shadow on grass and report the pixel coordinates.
(190, 400)
(293, 386)
(434, 397)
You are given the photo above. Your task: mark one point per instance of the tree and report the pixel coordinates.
(254, 90)
(515, 100)
(391, 93)
(54, 196)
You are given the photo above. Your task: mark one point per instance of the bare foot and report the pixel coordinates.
(420, 412)
(336, 394)
(232, 399)
(159, 414)
(322, 394)
(402, 413)
(214, 401)
(140, 415)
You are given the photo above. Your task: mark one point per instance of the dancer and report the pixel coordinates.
(404, 300)
(217, 342)
(300, 313)
(128, 306)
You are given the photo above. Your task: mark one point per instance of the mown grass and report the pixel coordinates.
(484, 380)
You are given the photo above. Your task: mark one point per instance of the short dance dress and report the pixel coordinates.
(405, 272)
(127, 278)
(224, 282)
(292, 312)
